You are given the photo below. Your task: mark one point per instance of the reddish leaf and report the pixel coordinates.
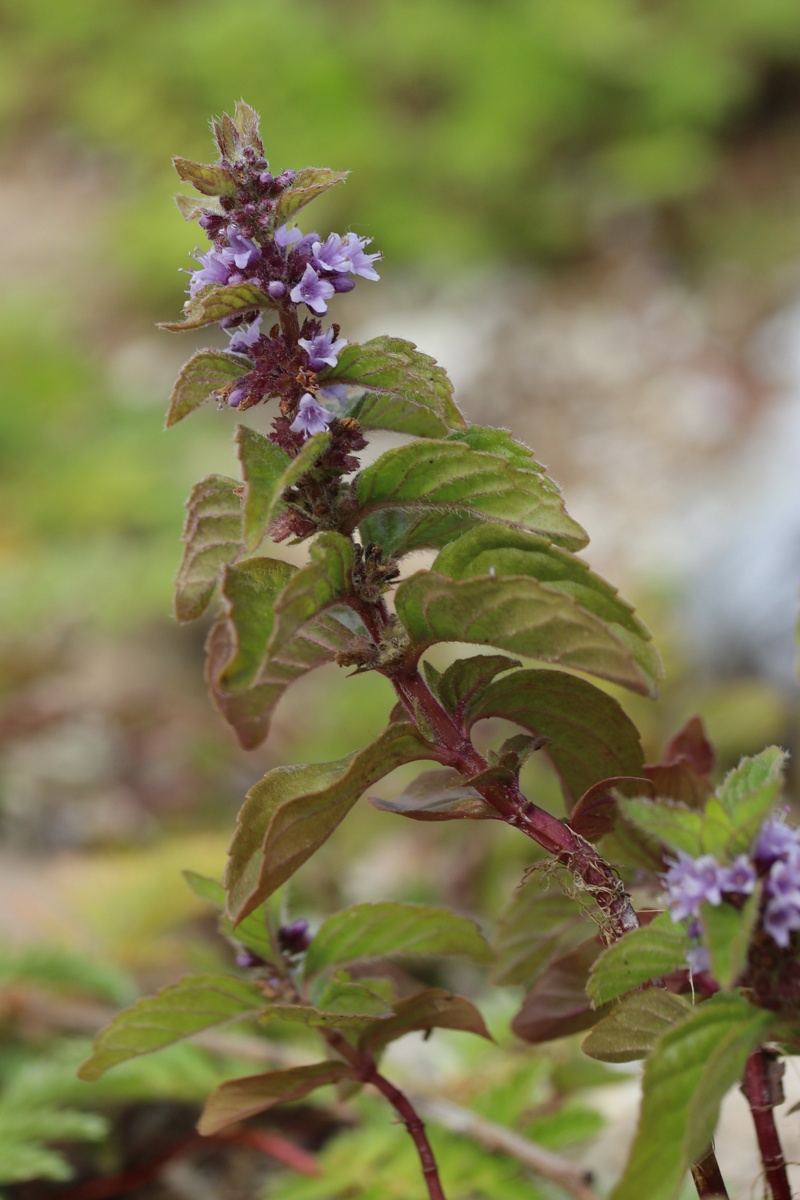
(684, 772)
(595, 813)
(557, 1003)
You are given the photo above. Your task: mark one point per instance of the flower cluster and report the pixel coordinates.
(774, 859)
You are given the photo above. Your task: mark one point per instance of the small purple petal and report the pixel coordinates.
(322, 350)
(342, 283)
(286, 237)
(215, 268)
(242, 250)
(329, 255)
(245, 336)
(360, 263)
(690, 882)
(334, 391)
(777, 840)
(739, 877)
(311, 417)
(698, 959)
(781, 918)
(276, 289)
(236, 397)
(312, 290)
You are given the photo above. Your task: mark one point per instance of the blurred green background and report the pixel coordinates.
(498, 148)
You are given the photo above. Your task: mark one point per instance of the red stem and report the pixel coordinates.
(758, 1090)
(708, 1177)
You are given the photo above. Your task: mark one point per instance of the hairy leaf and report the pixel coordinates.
(191, 208)
(438, 796)
(250, 590)
(308, 183)
(212, 535)
(633, 1026)
(557, 1005)
(404, 389)
(639, 957)
(734, 815)
(239, 1098)
(465, 679)
(471, 484)
(389, 928)
(435, 1008)
(689, 1071)
(208, 180)
(205, 373)
(292, 811)
(177, 1012)
(589, 735)
(672, 823)
(726, 936)
(264, 466)
(326, 581)
(536, 928)
(215, 301)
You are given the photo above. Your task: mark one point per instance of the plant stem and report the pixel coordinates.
(758, 1088)
(708, 1177)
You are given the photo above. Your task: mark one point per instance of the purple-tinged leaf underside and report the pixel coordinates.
(216, 301)
(212, 536)
(426, 476)
(466, 679)
(442, 795)
(208, 180)
(402, 389)
(326, 581)
(686, 1077)
(639, 957)
(435, 1008)
(237, 1099)
(179, 1011)
(632, 1027)
(264, 466)
(205, 373)
(590, 737)
(308, 183)
(292, 811)
(537, 927)
(380, 930)
(557, 1005)
(595, 814)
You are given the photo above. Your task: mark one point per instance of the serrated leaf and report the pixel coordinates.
(208, 180)
(216, 301)
(237, 1099)
(308, 183)
(404, 389)
(735, 813)
(632, 1027)
(226, 135)
(686, 1076)
(438, 796)
(473, 485)
(640, 956)
(326, 581)
(435, 1008)
(678, 827)
(762, 772)
(389, 928)
(205, 373)
(537, 927)
(499, 441)
(498, 551)
(194, 1003)
(464, 680)
(250, 589)
(245, 120)
(212, 534)
(726, 935)
(264, 466)
(292, 811)
(589, 735)
(191, 208)
(557, 1005)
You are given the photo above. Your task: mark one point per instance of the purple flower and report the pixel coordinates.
(311, 417)
(286, 237)
(776, 840)
(246, 336)
(781, 918)
(276, 289)
(242, 250)
(359, 262)
(739, 877)
(697, 958)
(330, 254)
(334, 391)
(215, 268)
(312, 290)
(322, 350)
(236, 397)
(690, 881)
(294, 938)
(342, 283)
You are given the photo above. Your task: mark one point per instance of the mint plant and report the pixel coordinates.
(707, 990)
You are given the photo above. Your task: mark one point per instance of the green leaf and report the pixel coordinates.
(466, 679)
(212, 535)
(191, 208)
(589, 735)
(24, 1134)
(435, 1008)
(240, 1098)
(438, 796)
(537, 927)
(404, 389)
(366, 998)
(245, 120)
(726, 935)
(206, 373)
(736, 812)
(252, 932)
(639, 957)
(216, 301)
(209, 181)
(326, 581)
(308, 183)
(499, 441)
(388, 928)
(472, 485)
(689, 1071)
(497, 551)
(179, 1011)
(557, 1005)
(632, 1028)
(292, 811)
(670, 822)
(63, 971)
(303, 464)
(264, 466)
(250, 590)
